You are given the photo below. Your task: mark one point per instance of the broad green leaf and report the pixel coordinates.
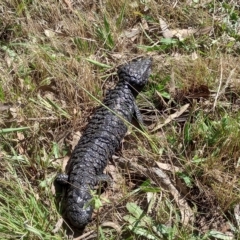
(97, 203)
(134, 209)
(142, 232)
(139, 214)
(185, 178)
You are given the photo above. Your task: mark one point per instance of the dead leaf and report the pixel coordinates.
(132, 33)
(172, 117)
(13, 112)
(164, 27)
(9, 60)
(194, 56)
(58, 225)
(134, 4)
(181, 34)
(117, 55)
(62, 162)
(53, 190)
(76, 136)
(49, 33)
(168, 167)
(112, 225)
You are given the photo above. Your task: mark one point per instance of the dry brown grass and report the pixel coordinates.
(45, 77)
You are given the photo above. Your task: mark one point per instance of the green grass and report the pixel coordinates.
(23, 214)
(57, 62)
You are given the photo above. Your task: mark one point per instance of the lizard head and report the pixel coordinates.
(136, 72)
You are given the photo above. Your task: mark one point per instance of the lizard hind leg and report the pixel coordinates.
(103, 179)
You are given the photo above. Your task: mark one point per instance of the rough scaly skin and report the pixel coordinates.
(100, 140)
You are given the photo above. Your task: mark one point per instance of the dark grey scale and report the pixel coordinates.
(110, 137)
(100, 140)
(101, 151)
